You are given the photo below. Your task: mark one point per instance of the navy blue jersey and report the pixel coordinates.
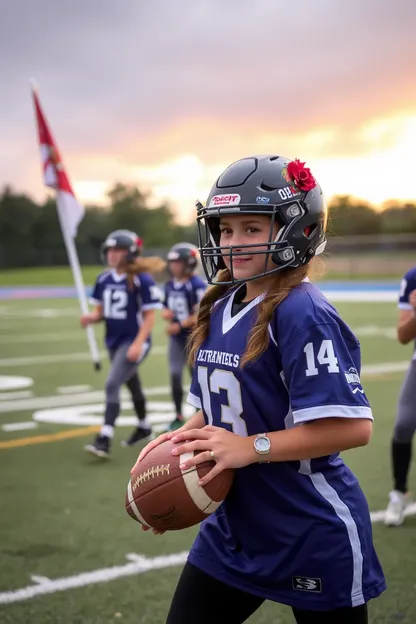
(295, 532)
(182, 298)
(407, 285)
(122, 306)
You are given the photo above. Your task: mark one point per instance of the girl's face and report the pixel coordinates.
(116, 258)
(250, 229)
(177, 268)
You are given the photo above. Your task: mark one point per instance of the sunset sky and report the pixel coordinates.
(167, 93)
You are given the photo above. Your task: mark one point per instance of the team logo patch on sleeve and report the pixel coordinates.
(353, 378)
(305, 583)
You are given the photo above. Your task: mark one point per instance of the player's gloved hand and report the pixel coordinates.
(226, 449)
(412, 299)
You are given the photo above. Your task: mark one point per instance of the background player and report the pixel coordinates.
(183, 292)
(404, 429)
(125, 298)
(270, 354)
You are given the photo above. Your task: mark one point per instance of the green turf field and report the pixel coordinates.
(62, 513)
(62, 276)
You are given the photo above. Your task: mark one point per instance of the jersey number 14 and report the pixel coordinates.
(326, 357)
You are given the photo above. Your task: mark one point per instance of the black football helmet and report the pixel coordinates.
(186, 253)
(268, 185)
(123, 239)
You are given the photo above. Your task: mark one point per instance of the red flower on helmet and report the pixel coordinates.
(299, 176)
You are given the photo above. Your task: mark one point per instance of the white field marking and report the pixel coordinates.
(39, 403)
(73, 389)
(384, 367)
(374, 330)
(41, 337)
(358, 296)
(15, 382)
(103, 575)
(64, 357)
(378, 516)
(20, 426)
(39, 313)
(137, 564)
(20, 394)
(86, 415)
(35, 578)
(61, 400)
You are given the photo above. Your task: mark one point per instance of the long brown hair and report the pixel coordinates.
(149, 264)
(280, 286)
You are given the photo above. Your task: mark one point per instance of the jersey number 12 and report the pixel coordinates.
(115, 304)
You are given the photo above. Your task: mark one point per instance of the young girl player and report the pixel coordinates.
(276, 379)
(183, 292)
(125, 298)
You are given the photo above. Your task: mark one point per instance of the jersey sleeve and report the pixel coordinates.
(151, 296)
(194, 396)
(321, 370)
(199, 288)
(165, 296)
(407, 285)
(96, 296)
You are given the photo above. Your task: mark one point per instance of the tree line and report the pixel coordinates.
(30, 234)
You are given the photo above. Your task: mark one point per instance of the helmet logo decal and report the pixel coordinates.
(225, 200)
(287, 192)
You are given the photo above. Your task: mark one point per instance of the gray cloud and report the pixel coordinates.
(120, 73)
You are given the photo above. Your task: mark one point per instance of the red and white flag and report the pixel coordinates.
(54, 174)
(70, 212)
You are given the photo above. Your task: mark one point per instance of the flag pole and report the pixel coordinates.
(79, 282)
(69, 241)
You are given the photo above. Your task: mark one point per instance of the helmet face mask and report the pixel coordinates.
(259, 186)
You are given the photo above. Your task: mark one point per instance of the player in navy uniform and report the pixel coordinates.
(405, 426)
(276, 377)
(182, 294)
(126, 301)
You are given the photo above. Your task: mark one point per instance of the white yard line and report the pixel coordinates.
(10, 404)
(20, 426)
(31, 338)
(63, 357)
(61, 400)
(73, 389)
(136, 564)
(42, 337)
(19, 394)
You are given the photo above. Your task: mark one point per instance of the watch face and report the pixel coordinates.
(262, 444)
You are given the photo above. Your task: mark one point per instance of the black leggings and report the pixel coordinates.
(201, 599)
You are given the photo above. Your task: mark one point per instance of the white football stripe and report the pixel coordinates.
(134, 506)
(195, 491)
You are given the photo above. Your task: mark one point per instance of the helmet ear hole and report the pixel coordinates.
(310, 230)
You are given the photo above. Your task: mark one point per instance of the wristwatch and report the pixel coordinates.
(262, 444)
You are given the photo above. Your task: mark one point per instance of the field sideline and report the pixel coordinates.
(69, 551)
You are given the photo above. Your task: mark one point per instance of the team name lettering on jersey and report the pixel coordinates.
(219, 357)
